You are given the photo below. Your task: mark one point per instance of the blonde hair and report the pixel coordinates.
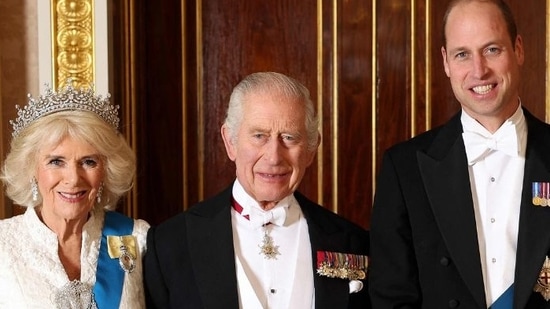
(21, 162)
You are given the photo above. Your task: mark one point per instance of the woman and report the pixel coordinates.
(69, 166)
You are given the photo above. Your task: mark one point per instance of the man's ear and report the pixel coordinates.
(518, 49)
(228, 142)
(312, 153)
(445, 64)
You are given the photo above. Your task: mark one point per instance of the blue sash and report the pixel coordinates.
(109, 275)
(506, 300)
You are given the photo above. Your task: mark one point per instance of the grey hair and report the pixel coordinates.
(271, 81)
(21, 162)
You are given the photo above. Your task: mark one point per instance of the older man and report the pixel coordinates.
(259, 243)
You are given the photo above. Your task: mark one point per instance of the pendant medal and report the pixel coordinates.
(123, 248)
(268, 248)
(126, 260)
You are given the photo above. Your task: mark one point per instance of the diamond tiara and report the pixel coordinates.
(68, 98)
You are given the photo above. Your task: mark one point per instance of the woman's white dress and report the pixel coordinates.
(31, 273)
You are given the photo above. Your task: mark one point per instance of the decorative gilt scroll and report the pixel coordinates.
(72, 42)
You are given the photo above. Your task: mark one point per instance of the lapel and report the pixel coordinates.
(324, 235)
(444, 171)
(210, 239)
(534, 231)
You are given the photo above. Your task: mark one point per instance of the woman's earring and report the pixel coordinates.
(99, 193)
(34, 189)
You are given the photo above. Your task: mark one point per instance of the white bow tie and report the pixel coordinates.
(477, 145)
(275, 216)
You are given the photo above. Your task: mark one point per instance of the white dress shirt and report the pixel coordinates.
(283, 282)
(496, 183)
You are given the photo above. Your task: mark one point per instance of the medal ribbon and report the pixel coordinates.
(536, 192)
(109, 274)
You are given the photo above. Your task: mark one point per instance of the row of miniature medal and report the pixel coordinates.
(342, 265)
(541, 197)
(541, 194)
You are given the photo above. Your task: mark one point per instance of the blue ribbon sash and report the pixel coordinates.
(109, 274)
(506, 300)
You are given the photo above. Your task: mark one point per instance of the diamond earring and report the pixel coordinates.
(99, 193)
(34, 189)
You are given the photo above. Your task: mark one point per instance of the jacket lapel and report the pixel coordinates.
(451, 202)
(534, 231)
(211, 248)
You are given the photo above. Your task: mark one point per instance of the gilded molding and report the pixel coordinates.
(547, 101)
(414, 70)
(374, 98)
(128, 90)
(320, 99)
(335, 107)
(72, 42)
(199, 69)
(428, 83)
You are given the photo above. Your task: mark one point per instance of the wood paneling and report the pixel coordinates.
(353, 107)
(238, 38)
(374, 69)
(532, 27)
(148, 75)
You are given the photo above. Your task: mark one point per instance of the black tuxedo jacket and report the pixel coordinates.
(190, 261)
(424, 246)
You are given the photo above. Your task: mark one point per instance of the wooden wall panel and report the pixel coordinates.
(353, 159)
(373, 67)
(393, 65)
(158, 103)
(327, 93)
(531, 18)
(241, 37)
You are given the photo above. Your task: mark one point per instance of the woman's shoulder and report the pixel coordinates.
(11, 227)
(14, 234)
(140, 232)
(141, 227)
(15, 220)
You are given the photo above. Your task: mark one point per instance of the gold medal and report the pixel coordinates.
(358, 274)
